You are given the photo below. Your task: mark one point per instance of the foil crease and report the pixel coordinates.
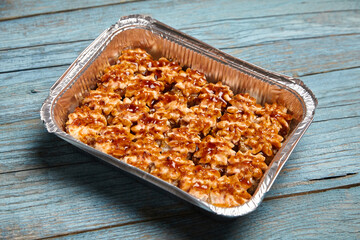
(161, 40)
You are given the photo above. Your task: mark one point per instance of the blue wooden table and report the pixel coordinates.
(49, 189)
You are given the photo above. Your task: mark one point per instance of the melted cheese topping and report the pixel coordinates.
(175, 125)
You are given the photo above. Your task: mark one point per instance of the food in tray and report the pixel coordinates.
(172, 123)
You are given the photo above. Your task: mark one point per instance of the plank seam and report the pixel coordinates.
(332, 177)
(340, 105)
(332, 119)
(290, 39)
(46, 167)
(271, 16)
(115, 225)
(224, 48)
(313, 191)
(35, 68)
(190, 212)
(66, 10)
(46, 44)
(328, 71)
(134, 1)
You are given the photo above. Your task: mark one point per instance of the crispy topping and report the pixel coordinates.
(228, 193)
(134, 55)
(114, 140)
(171, 106)
(262, 138)
(145, 89)
(214, 152)
(199, 181)
(105, 101)
(248, 168)
(183, 140)
(232, 127)
(190, 82)
(128, 112)
(216, 95)
(277, 115)
(164, 70)
(175, 125)
(202, 118)
(84, 124)
(117, 77)
(151, 126)
(171, 166)
(143, 153)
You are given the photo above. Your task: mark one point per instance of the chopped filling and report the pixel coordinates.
(172, 123)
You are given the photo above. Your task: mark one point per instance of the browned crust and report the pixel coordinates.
(172, 123)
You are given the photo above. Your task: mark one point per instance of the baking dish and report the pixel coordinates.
(138, 31)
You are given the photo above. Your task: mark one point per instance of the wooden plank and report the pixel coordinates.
(21, 151)
(90, 197)
(33, 148)
(12, 9)
(291, 57)
(33, 85)
(331, 98)
(45, 202)
(234, 33)
(329, 150)
(53, 200)
(46, 29)
(41, 56)
(26, 93)
(327, 139)
(27, 8)
(327, 215)
(29, 146)
(304, 56)
(66, 192)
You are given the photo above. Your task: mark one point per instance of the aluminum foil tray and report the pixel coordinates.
(161, 40)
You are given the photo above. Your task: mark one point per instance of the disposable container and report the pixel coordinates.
(161, 40)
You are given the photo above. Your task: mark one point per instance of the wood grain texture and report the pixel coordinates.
(281, 56)
(34, 88)
(66, 199)
(78, 186)
(92, 196)
(48, 188)
(10, 9)
(71, 200)
(45, 29)
(33, 85)
(293, 218)
(317, 55)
